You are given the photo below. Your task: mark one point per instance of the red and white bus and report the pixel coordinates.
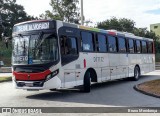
(49, 54)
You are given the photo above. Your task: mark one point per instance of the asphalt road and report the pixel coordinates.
(109, 94)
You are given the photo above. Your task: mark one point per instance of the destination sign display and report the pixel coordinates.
(32, 26)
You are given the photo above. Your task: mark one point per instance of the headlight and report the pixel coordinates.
(51, 75)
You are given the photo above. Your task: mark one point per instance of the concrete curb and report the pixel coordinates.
(144, 92)
(5, 70)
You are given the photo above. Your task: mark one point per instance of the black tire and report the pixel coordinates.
(52, 89)
(87, 82)
(136, 73)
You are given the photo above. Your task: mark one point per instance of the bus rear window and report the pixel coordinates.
(150, 47)
(144, 47)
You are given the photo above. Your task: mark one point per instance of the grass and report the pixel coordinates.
(151, 87)
(5, 79)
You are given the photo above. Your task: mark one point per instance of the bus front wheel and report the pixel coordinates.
(87, 82)
(136, 73)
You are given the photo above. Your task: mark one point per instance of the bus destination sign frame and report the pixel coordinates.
(32, 26)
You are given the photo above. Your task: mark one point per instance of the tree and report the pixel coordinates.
(122, 24)
(11, 14)
(127, 25)
(64, 10)
(1, 26)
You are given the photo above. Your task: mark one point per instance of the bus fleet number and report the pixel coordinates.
(98, 59)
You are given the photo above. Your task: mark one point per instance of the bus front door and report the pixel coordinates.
(69, 55)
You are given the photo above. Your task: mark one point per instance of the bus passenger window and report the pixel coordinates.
(122, 45)
(102, 44)
(87, 41)
(112, 44)
(69, 49)
(138, 46)
(68, 45)
(144, 47)
(131, 45)
(72, 45)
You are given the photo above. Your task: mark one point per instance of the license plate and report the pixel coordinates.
(29, 84)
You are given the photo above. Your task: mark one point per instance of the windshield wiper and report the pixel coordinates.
(39, 43)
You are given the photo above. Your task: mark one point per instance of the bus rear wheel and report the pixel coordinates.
(87, 82)
(136, 73)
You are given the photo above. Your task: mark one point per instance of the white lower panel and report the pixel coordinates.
(80, 82)
(105, 79)
(113, 77)
(54, 83)
(73, 83)
(142, 72)
(99, 80)
(131, 74)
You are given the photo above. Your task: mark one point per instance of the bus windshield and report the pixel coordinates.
(35, 49)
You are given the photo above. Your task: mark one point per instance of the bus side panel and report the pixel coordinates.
(139, 62)
(113, 63)
(84, 62)
(132, 61)
(103, 64)
(145, 63)
(123, 65)
(152, 62)
(148, 63)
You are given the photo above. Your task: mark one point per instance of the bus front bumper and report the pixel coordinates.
(53, 83)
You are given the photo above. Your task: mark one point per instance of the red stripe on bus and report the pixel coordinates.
(84, 63)
(31, 76)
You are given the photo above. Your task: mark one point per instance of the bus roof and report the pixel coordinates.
(110, 32)
(32, 21)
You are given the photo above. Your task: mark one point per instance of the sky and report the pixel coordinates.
(142, 12)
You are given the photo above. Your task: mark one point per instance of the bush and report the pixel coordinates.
(5, 54)
(157, 57)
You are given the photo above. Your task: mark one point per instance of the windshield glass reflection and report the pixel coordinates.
(35, 50)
